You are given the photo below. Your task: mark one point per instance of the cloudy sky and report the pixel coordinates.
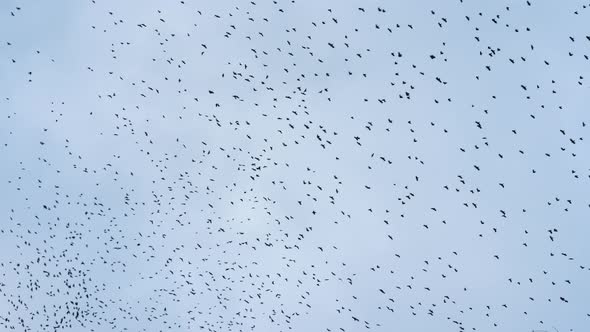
(294, 165)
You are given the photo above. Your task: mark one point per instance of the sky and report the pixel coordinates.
(294, 165)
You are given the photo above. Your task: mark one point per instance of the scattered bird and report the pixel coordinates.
(291, 165)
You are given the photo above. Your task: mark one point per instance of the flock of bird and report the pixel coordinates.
(294, 165)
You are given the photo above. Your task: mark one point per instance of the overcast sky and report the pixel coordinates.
(290, 165)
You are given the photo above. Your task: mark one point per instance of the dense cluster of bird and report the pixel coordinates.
(282, 165)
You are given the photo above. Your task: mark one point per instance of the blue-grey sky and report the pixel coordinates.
(294, 165)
